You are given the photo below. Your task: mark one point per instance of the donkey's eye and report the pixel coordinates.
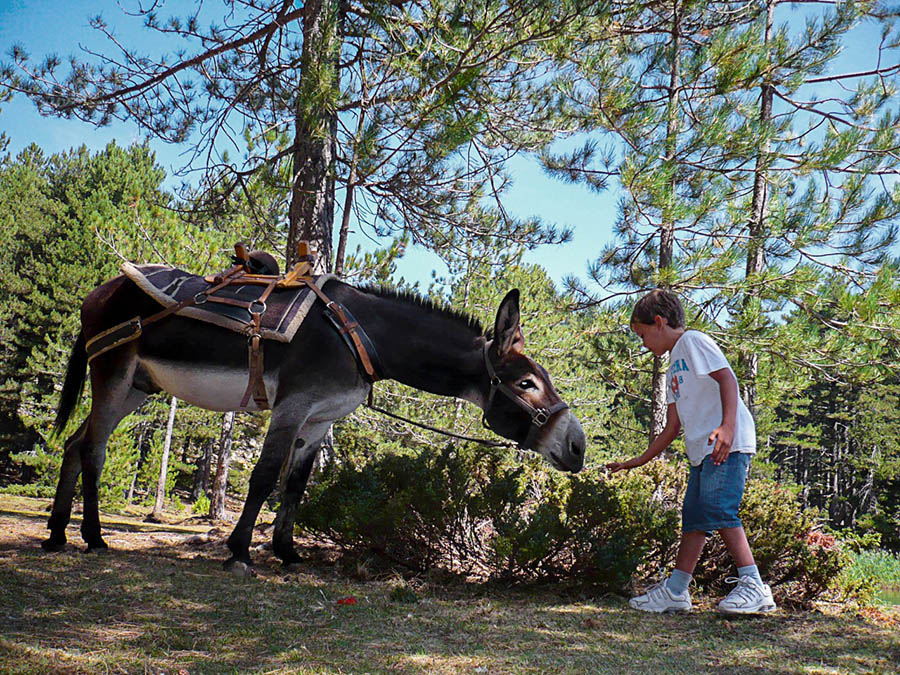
(527, 384)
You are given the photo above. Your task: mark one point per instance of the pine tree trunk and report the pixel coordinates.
(348, 197)
(326, 456)
(756, 243)
(658, 404)
(137, 466)
(217, 503)
(311, 211)
(164, 463)
(667, 227)
(201, 480)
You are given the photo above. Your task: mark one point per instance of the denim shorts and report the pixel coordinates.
(714, 494)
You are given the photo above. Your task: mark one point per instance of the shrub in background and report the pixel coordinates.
(788, 543)
(869, 573)
(43, 462)
(201, 505)
(485, 513)
(489, 514)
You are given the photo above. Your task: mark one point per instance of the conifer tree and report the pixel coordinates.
(410, 108)
(661, 109)
(779, 177)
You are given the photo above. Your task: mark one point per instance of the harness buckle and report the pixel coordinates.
(257, 307)
(540, 418)
(200, 298)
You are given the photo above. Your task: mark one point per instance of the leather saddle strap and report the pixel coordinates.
(349, 329)
(130, 330)
(256, 385)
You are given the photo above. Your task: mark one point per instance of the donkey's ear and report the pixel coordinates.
(507, 333)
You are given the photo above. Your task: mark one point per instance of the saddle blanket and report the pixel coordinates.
(285, 308)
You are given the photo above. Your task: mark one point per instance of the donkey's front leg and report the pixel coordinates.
(294, 478)
(265, 474)
(65, 491)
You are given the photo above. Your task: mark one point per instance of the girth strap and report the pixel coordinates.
(256, 386)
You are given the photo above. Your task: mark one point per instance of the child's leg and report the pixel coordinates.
(711, 502)
(692, 539)
(736, 541)
(689, 551)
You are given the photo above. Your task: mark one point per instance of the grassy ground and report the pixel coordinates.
(160, 602)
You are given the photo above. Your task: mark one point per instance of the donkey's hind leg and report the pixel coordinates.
(65, 491)
(104, 418)
(85, 453)
(294, 478)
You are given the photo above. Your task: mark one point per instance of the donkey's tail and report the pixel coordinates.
(73, 384)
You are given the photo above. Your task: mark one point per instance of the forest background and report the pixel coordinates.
(738, 155)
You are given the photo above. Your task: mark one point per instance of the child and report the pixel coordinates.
(720, 438)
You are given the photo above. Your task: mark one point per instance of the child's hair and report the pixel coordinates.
(659, 302)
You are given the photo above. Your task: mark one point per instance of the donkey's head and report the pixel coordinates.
(522, 404)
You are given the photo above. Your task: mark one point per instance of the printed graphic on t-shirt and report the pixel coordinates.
(679, 366)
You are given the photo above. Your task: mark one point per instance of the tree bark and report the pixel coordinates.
(756, 239)
(217, 503)
(667, 227)
(348, 199)
(311, 211)
(137, 465)
(204, 465)
(164, 463)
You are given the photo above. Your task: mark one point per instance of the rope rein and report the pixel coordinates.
(471, 439)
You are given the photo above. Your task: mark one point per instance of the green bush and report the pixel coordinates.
(869, 573)
(44, 462)
(413, 510)
(477, 512)
(490, 514)
(201, 505)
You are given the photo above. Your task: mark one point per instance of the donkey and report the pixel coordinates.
(312, 381)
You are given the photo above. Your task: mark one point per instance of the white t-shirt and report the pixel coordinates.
(696, 396)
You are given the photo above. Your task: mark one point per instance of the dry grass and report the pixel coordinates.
(155, 603)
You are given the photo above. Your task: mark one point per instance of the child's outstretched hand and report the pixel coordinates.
(723, 437)
(613, 467)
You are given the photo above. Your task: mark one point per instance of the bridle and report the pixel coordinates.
(539, 416)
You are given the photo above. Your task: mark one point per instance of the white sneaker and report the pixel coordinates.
(659, 598)
(748, 597)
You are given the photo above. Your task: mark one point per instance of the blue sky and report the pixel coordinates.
(50, 26)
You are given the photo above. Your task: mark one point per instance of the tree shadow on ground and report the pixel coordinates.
(153, 602)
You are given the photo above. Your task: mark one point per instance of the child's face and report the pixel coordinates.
(653, 335)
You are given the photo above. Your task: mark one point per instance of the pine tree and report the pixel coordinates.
(411, 109)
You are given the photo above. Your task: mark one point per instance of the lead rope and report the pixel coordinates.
(471, 439)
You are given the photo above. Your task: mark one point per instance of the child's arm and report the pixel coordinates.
(723, 435)
(660, 443)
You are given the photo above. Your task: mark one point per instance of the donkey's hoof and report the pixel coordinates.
(290, 560)
(97, 547)
(52, 545)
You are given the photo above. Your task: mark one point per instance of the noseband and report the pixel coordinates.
(539, 416)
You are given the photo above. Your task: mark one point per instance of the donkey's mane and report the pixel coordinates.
(427, 304)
